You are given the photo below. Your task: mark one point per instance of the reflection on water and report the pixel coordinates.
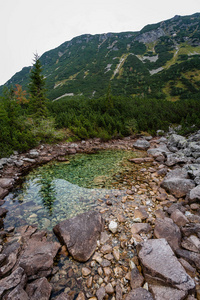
(57, 191)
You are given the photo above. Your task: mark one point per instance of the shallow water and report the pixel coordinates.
(60, 190)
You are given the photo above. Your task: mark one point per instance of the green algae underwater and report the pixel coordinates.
(60, 190)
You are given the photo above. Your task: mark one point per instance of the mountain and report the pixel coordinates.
(162, 60)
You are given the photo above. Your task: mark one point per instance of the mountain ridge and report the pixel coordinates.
(161, 60)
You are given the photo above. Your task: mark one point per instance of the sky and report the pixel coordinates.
(28, 26)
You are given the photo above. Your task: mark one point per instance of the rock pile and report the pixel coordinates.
(147, 247)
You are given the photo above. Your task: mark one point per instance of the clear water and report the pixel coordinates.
(60, 190)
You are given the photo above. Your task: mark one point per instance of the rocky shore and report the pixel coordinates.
(145, 246)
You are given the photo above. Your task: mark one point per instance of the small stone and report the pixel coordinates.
(194, 206)
(116, 254)
(109, 289)
(104, 237)
(118, 272)
(113, 227)
(105, 249)
(89, 282)
(86, 271)
(105, 263)
(141, 213)
(81, 296)
(100, 293)
(107, 271)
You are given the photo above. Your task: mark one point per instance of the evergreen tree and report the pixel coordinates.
(38, 106)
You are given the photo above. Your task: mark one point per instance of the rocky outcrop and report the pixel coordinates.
(80, 234)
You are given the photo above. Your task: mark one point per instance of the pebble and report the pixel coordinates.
(113, 227)
(86, 271)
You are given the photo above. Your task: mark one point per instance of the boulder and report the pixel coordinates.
(80, 234)
(6, 183)
(139, 294)
(177, 186)
(13, 280)
(194, 195)
(176, 140)
(167, 229)
(37, 258)
(166, 292)
(175, 158)
(141, 144)
(160, 265)
(39, 289)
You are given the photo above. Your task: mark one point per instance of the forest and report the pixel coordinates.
(28, 119)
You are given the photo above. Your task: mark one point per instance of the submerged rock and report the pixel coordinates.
(80, 234)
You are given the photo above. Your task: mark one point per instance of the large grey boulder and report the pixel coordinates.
(141, 144)
(175, 158)
(177, 186)
(80, 234)
(161, 265)
(177, 141)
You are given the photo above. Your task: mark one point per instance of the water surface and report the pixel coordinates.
(60, 190)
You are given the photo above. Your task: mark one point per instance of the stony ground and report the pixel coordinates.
(149, 247)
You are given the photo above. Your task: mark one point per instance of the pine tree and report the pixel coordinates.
(38, 100)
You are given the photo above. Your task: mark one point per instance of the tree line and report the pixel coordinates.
(29, 118)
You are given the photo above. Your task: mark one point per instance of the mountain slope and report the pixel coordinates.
(162, 60)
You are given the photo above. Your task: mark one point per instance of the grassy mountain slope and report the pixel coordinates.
(162, 60)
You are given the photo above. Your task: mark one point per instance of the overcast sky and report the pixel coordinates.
(27, 26)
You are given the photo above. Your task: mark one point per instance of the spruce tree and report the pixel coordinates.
(38, 100)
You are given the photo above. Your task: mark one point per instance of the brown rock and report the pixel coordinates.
(18, 294)
(137, 280)
(177, 186)
(3, 192)
(188, 244)
(166, 228)
(191, 229)
(106, 249)
(81, 296)
(100, 293)
(39, 289)
(166, 292)
(107, 271)
(80, 234)
(116, 254)
(3, 212)
(179, 218)
(160, 264)
(161, 197)
(104, 237)
(11, 251)
(140, 228)
(12, 280)
(86, 271)
(189, 269)
(192, 257)
(63, 296)
(141, 213)
(118, 291)
(37, 258)
(109, 289)
(89, 282)
(6, 183)
(194, 195)
(139, 294)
